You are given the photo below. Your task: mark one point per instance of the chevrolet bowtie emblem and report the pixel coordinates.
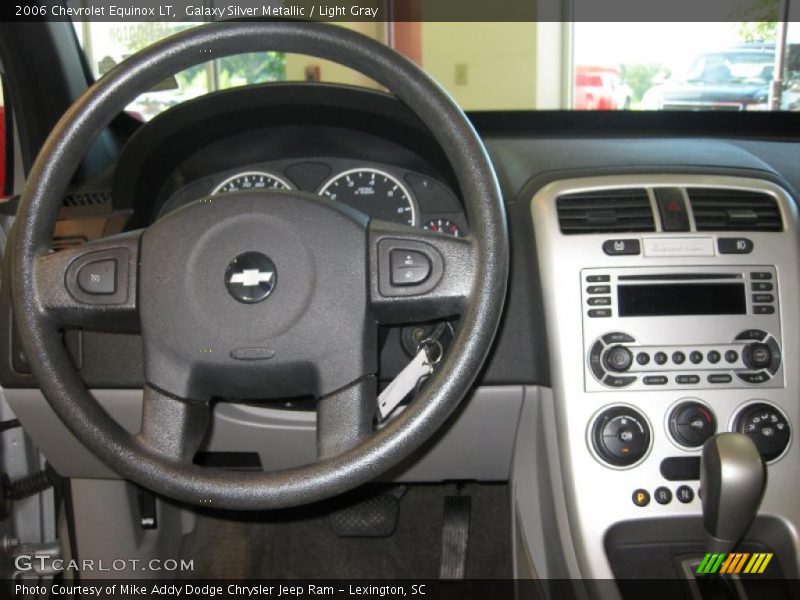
(251, 277)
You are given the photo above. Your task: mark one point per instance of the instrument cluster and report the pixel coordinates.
(380, 191)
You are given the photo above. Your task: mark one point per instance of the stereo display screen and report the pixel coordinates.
(680, 299)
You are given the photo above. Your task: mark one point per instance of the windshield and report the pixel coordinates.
(515, 65)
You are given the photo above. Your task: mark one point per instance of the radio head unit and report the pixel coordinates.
(688, 327)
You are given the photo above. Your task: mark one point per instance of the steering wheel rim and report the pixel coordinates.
(59, 159)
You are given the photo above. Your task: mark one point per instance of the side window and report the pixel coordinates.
(4, 133)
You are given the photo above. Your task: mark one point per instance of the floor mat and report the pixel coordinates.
(300, 543)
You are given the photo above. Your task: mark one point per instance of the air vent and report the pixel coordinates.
(605, 211)
(99, 198)
(734, 210)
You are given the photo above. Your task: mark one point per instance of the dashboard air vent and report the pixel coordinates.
(605, 211)
(99, 198)
(734, 210)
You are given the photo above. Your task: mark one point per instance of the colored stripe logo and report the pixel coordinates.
(731, 563)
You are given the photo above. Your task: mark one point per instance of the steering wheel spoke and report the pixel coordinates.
(346, 417)
(92, 285)
(418, 275)
(172, 428)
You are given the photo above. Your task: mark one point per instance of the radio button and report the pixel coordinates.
(598, 278)
(696, 357)
(763, 309)
(600, 301)
(760, 275)
(775, 350)
(734, 246)
(660, 358)
(761, 286)
(600, 313)
(754, 378)
(719, 378)
(655, 380)
(763, 298)
(757, 356)
(678, 357)
(595, 360)
(752, 334)
(598, 289)
(643, 358)
(687, 379)
(618, 358)
(618, 382)
(621, 247)
(617, 337)
(713, 357)
(731, 356)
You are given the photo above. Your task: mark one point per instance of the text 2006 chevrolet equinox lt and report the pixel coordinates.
(365, 308)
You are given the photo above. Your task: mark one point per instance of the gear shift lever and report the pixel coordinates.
(732, 482)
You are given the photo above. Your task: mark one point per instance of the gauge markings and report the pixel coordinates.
(251, 180)
(373, 192)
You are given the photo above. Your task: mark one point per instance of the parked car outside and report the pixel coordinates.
(600, 88)
(735, 79)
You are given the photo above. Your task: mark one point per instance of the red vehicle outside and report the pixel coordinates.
(600, 88)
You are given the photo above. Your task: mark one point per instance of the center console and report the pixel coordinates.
(672, 310)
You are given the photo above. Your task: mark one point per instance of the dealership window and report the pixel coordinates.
(744, 66)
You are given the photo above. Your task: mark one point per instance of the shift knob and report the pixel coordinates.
(732, 482)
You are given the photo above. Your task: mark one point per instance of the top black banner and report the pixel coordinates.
(401, 10)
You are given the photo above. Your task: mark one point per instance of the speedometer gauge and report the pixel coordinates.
(373, 192)
(251, 180)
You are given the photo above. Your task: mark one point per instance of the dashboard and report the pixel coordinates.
(628, 335)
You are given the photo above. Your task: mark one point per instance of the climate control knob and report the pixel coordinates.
(691, 424)
(620, 436)
(767, 426)
(618, 359)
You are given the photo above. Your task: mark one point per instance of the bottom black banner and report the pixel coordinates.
(144, 589)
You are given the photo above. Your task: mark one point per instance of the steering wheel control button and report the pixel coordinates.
(691, 424)
(620, 436)
(251, 277)
(98, 277)
(767, 427)
(409, 267)
(618, 359)
(622, 247)
(641, 497)
(662, 495)
(734, 245)
(684, 494)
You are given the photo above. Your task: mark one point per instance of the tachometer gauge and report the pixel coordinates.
(443, 226)
(373, 192)
(251, 180)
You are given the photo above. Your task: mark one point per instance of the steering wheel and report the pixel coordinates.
(268, 294)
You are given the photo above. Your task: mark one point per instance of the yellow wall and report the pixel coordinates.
(331, 72)
(500, 61)
(496, 62)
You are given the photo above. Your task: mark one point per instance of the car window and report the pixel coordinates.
(633, 66)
